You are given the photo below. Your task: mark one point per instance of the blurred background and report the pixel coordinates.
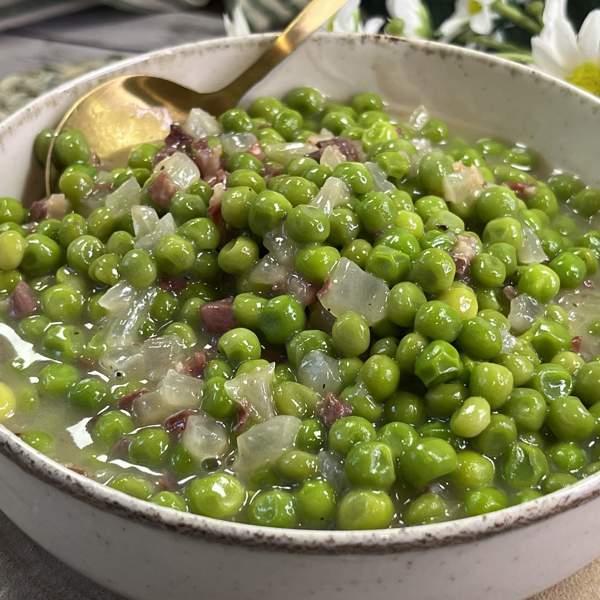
(44, 42)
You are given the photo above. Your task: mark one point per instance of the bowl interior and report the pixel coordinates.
(480, 93)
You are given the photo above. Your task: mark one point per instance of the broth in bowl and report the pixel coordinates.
(308, 314)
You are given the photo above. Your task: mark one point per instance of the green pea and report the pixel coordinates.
(64, 341)
(429, 459)
(388, 264)
(445, 398)
(437, 363)
(371, 465)
(39, 440)
(569, 420)
(496, 439)
(438, 320)
(311, 436)
(349, 431)
(71, 147)
(377, 211)
(587, 383)
(425, 509)
(567, 457)
(527, 407)
(570, 269)
(12, 250)
(473, 471)
(344, 227)
(42, 255)
(433, 270)
(9, 280)
(297, 190)
(400, 239)
(281, 318)
(32, 328)
(297, 465)
(138, 268)
(365, 509)
(89, 394)
(355, 175)
(305, 341)
(111, 426)
(62, 302)
(357, 251)
(202, 232)
(273, 508)
(484, 500)
(524, 466)
(307, 224)
(132, 485)
(493, 382)
(56, 379)
(433, 167)
(381, 376)
(316, 504)
(405, 407)
(239, 345)
(292, 398)
(471, 418)
(316, 262)
(169, 500)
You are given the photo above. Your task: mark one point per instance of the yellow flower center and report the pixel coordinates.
(587, 77)
(474, 7)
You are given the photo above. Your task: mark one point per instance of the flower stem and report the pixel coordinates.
(491, 43)
(535, 9)
(520, 57)
(516, 16)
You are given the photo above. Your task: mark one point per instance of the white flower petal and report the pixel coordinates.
(544, 57)
(483, 21)
(558, 36)
(417, 22)
(452, 26)
(373, 25)
(589, 37)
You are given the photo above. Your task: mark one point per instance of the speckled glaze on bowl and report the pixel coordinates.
(150, 553)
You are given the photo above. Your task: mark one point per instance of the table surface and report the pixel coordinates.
(27, 572)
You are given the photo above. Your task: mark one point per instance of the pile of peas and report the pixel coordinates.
(445, 411)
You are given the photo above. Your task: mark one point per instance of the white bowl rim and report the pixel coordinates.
(386, 541)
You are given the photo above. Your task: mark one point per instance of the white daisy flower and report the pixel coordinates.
(236, 25)
(562, 52)
(348, 20)
(409, 18)
(476, 14)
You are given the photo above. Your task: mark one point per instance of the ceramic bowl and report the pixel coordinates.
(146, 552)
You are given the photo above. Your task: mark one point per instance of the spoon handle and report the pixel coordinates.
(312, 17)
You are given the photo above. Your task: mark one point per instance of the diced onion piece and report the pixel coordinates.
(418, 118)
(332, 469)
(237, 142)
(323, 136)
(281, 246)
(117, 298)
(332, 156)
(583, 309)
(351, 288)
(264, 443)
(284, 152)
(148, 228)
(180, 168)
(304, 291)
(201, 124)
(531, 251)
(524, 310)
(57, 206)
(509, 341)
(320, 372)
(461, 186)
(254, 392)
(333, 194)
(379, 178)
(150, 360)
(268, 271)
(422, 146)
(124, 198)
(176, 392)
(145, 219)
(205, 437)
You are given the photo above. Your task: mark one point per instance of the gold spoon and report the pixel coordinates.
(131, 109)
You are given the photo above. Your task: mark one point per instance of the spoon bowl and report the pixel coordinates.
(130, 110)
